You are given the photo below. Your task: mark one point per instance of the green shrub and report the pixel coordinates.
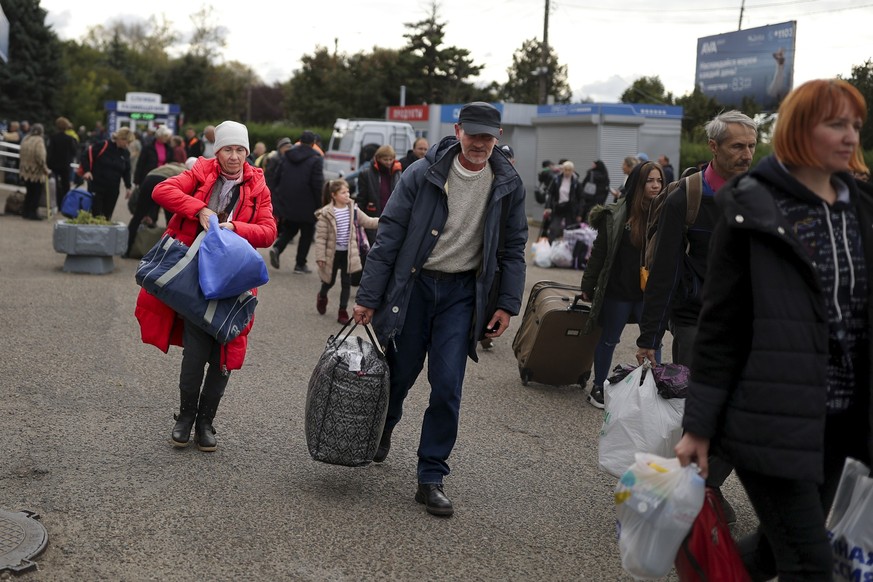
(85, 217)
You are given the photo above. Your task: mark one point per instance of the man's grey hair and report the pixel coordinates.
(717, 127)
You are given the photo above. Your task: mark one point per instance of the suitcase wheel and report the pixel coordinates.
(583, 379)
(525, 376)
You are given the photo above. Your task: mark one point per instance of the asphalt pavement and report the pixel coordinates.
(86, 412)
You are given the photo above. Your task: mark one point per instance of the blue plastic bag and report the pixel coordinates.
(229, 265)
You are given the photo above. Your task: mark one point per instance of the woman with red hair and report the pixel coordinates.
(781, 381)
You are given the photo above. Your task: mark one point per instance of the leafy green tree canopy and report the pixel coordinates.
(34, 76)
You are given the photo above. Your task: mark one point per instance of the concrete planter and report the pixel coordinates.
(90, 247)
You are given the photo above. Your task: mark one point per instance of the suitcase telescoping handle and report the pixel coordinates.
(354, 324)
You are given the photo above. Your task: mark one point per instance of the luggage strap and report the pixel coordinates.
(183, 262)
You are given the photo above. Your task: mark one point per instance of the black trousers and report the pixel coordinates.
(341, 266)
(33, 190)
(104, 201)
(791, 540)
(62, 186)
(145, 206)
(199, 351)
(288, 230)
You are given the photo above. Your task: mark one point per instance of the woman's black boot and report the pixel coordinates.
(204, 433)
(184, 420)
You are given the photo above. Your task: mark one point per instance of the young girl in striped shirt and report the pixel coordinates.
(339, 242)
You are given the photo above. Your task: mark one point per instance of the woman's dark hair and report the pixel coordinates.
(637, 205)
(330, 188)
(601, 167)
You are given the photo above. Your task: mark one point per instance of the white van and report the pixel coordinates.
(351, 136)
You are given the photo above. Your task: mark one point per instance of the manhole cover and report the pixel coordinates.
(21, 538)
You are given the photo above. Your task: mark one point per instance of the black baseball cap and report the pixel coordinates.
(480, 117)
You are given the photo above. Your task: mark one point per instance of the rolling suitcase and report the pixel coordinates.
(550, 345)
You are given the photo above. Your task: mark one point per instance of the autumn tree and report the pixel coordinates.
(524, 75)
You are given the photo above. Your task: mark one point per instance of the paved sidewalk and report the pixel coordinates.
(85, 417)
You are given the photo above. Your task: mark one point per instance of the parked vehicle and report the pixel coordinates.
(353, 138)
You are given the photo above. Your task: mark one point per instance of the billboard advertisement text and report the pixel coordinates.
(756, 63)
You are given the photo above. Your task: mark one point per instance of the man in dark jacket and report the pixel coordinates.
(62, 150)
(427, 278)
(419, 148)
(680, 257)
(296, 191)
(669, 174)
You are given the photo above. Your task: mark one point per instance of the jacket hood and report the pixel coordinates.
(770, 171)
(743, 195)
(300, 153)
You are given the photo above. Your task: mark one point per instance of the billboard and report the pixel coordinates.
(4, 36)
(756, 63)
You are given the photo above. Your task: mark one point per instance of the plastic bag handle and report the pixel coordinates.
(366, 326)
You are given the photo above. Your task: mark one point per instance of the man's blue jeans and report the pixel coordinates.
(614, 315)
(437, 324)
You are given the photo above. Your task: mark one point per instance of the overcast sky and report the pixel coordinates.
(605, 45)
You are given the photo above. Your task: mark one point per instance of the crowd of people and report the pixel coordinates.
(760, 274)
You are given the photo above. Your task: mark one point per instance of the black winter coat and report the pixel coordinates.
(759, 375)
(679, 266)
(601, 185)
(148, 160)
(297, 185)
(110, 168)
(369, 196)
(574, 206)
(62, 150)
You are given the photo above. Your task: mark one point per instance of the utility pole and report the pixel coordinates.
(544, 58)
(742, 6)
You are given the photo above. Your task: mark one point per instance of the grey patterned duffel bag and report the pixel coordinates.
(347, 401)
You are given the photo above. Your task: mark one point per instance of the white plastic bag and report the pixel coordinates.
(656, 503)
(850, 525)
(637, 420)
(542, 252)
(562, 254)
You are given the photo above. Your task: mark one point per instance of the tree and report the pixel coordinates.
(647, 90)
(33, 78)
(523, 83)
(862, 79)
(317, 92)
(697, 109)
(208, 40)
(436, 73)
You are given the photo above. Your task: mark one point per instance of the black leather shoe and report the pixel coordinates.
(384, 447)
(434, 499)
